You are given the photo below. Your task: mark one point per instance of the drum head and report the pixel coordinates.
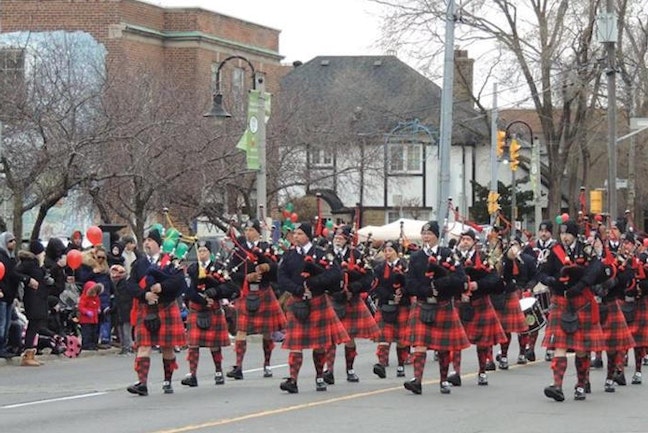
(527, 303)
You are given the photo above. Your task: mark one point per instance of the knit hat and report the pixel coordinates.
(570, 227)
(546, 225)
(470, 233)
(155, 235)
(77, 235)
(205, 244)
(255, 224)
(35, 247)
(344, 231)
(306, 228)
(431, 226)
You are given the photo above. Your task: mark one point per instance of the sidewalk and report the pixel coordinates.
(47, 358)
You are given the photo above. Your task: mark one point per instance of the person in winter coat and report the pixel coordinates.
(8, 289)
(35, 298)
(123, 306)
(89, 308)
(115, 256)
(95, 268)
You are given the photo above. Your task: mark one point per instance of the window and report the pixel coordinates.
(320, 158)
(405, 157)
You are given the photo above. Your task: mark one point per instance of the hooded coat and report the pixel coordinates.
(34, 300)
(12, 278)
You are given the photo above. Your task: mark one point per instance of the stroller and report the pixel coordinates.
(63, 332)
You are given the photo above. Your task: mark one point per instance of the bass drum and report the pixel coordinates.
(543, 295)
(533, 314)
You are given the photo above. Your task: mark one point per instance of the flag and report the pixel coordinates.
(248, 142)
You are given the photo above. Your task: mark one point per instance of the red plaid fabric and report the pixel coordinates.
(215, 336)
(445, 334)
(616, 334)
(588, 337)
(395, 332)
(639, 327)
(512, 317)
(358, 321)
(320, 330)
(485, 329)
(172, 332)
(269, 318)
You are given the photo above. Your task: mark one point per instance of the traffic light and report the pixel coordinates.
(514, 152)
(493, 206)
(501, 143)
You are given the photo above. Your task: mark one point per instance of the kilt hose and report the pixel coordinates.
(446, 333)
(172, 331)
(587, 338)
(616, 335)
(269, 318)
(484, 329)
(639, 326)
(321, 329)
(215, 336)
(397, 332)
(358, 321)
(511, 317)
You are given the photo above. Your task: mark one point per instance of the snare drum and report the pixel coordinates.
(533, 314)
(543, 295)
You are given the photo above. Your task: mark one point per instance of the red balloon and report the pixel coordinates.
(286, 214)
(74, 259)
(2, 270)
(565, 217)
(294, 217)
(94, 235)
(325, 232)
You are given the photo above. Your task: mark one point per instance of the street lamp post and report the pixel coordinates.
(256, 125)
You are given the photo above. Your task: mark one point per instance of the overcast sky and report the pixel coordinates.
(308, 28)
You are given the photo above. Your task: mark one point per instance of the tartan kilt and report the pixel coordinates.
(358, 321)
(268, 319)
(485, 329)
(511, 317)
(321, 329)
(394, 332)
(616, 334)
(587, 338)
(445, 334)
(216, 336)
(639, 327)
(172, 331)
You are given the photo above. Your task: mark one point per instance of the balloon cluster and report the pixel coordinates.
(562, 219)
(328, 228)
(290, 217)
(172, 244)
(94, 235)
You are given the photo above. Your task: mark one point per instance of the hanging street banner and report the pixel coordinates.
(248, 142)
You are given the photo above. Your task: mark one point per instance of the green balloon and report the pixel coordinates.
(168, 245)
(181, 250)
(290, 207)
(159, 227)
(172, 233)
(329, 224)
(559, 219)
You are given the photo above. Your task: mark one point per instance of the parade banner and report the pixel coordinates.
(248, 142)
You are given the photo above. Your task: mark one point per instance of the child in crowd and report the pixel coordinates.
(89, 308)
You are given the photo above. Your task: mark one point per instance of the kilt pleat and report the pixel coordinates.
(446, 333)
(269, 318)
(321, 329)
(394, 332)
(215, 336)
(172, 331)
(615, 330)
(484, 329)
(588, 337)
(639, 327)
(358, 321)
(511, 317)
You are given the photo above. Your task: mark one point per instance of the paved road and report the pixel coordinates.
(89, 393)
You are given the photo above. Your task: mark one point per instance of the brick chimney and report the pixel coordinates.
(463, 78)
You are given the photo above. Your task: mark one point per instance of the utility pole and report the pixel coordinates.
(493, 152)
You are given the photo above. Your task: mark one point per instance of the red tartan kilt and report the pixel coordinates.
(588, 337)
(616, 334)
(172, 331)
(358, 321)
(321, 329)
(512, 317)
(445, 334)
(485, 329)
(394, 332)
(639, 327)
(215, 336)
(269, 318)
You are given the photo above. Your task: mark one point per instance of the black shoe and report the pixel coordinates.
(320, 384)
(530, 356)
(379, 371)
(609, 385)
(7, 355)
(267, 371)
(190, 381)
(619, 378)
(482, 379)
(166, 387)
(290, 385)
(138, 388)
(636, 378)
(454, 379)
(597, 363)
(579, 394)
(490, 366)
(414, 386)
(352, 377)
(445, 387)
(554, 392)
(235, 373)
(549, 354)
(218, 378)
(503, 363)
(328, 377)
(400, 371)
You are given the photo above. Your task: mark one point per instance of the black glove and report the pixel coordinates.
(212, 293)
(575, 290)
(549, 281)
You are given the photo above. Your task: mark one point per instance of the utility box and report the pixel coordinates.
(606, 28)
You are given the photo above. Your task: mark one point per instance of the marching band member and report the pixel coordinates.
(635, 308)
(348, 304)
(253, 268)
(573, 322)
(307, 273)
(477, 314)
(155, 284)
(435, 278)
(206, 323)
(393, 309)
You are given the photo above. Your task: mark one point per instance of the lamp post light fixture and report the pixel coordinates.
(256, 125)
